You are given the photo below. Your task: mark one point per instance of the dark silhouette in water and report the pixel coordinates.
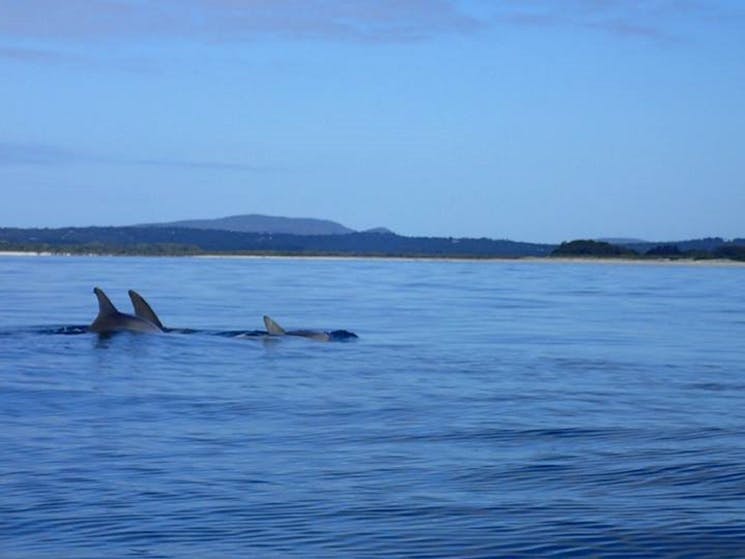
(275, 329)
(110, 320)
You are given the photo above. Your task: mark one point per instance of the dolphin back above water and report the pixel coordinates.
(143, 309)
(274, 329)
(110, 320)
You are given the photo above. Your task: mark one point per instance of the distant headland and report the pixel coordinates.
(266, 224)
(261, 235)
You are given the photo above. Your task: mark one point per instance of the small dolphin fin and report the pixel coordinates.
(105, 306)
(143, 309)
(272, 327)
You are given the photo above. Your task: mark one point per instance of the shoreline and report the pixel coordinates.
(495, 259)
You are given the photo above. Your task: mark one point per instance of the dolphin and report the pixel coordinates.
(274, 329)
(110, 320)
(144, 310)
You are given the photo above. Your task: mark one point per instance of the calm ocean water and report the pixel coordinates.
(488, 409)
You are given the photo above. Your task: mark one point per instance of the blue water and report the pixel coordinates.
(488, 409)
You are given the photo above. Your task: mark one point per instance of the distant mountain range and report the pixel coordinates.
(169, 240)
(256, 223)
(267, 235)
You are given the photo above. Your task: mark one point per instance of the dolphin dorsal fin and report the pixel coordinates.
(143, 309)
(105, 306)
(272, 327)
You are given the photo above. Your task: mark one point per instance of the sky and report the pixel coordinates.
(531, 120)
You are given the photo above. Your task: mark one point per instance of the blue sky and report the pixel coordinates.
(538, 120)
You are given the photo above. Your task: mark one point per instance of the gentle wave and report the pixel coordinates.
(488, 410)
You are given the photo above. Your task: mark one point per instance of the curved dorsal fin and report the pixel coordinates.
(143, 310)
(105, 306)
(272, 327)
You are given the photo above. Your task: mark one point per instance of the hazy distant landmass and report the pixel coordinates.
(592, 248)
(267, 235)
(256, 223)
(706, 244)
(693, 249)
(379, 231)
(182, 240)
(620, 240)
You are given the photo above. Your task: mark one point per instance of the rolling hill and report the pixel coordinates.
(256, 223)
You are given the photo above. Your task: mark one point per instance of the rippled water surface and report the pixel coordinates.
(488, 409)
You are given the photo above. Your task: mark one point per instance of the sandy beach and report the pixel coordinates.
(516, 260)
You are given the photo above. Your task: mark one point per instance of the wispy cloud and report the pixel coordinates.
(215, 20)
(42, 155)
(63, 55)
(197, 165)
(52, 31)
(23, 54)
(32, 154)
(384, 21)
(649, 19)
